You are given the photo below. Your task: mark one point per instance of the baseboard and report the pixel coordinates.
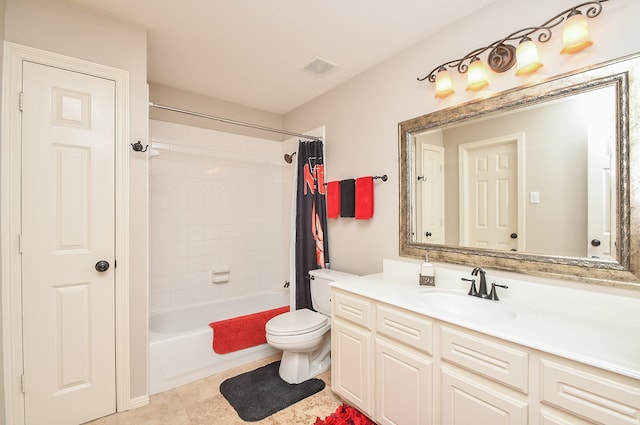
(141, 401)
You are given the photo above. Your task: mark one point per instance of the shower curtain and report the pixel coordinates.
(311, 245)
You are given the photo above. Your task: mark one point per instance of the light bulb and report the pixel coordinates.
(527, 57)
(575, 34)
(444, 85)
(477, 75)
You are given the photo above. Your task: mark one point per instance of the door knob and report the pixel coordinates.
(595, 242)
(102, 266)
(514, 236)
(427, 234)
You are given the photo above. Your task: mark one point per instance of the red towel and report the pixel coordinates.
(364, 198)
(242, 331)
(333, 199)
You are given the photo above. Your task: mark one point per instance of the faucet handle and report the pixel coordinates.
(493, 295)
(472, 290)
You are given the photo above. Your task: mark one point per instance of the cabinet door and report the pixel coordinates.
(466, 399)
(352, 367)
(404, 385)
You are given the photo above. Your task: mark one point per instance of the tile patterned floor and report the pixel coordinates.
(200, 403)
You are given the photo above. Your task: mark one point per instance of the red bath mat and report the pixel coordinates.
(345, 415)
(242, 331)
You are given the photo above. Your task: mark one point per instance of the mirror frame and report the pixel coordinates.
(624, 75)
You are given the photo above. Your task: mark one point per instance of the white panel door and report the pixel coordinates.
(68, 134)
(490, 204)
(601, 192)
(431, 188)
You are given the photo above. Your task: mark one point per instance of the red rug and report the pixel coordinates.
(242, 331)
(345, 415)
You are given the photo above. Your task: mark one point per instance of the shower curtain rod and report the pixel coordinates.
(228, 121)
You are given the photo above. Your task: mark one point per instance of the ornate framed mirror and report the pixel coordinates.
(542, 179)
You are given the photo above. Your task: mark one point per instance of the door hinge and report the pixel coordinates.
(20, 243)
(21, 101)
(22, 383)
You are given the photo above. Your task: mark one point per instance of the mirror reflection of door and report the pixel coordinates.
(601, 192)
(430, 189)
(489, 194)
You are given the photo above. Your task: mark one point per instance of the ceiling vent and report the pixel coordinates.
(319, 66)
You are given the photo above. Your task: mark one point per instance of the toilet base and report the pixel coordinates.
(296, 367)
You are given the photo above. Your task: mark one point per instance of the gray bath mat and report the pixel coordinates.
(261, 393)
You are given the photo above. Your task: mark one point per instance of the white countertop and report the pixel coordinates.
(601, 330)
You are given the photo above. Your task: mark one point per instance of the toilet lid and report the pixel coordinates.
(296, 322)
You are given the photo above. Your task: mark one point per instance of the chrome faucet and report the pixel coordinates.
(482, 290)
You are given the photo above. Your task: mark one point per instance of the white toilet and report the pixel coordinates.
(303, 335)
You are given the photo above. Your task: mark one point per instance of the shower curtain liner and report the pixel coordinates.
(311, 245)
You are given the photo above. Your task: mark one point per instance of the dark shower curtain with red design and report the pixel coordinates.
(311, 247)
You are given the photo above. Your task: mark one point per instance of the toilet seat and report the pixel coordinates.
(296, 322)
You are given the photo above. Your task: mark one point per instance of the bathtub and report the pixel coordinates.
(180, 339)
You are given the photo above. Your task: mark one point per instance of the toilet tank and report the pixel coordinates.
(321, 289)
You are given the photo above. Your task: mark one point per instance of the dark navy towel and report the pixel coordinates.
(348, 198)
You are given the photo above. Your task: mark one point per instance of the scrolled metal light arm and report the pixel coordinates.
(502, 56)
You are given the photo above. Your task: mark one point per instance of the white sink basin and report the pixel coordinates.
(462, 305)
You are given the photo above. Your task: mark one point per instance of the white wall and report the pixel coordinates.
(362, 115)
(170, 96)
(216, 201)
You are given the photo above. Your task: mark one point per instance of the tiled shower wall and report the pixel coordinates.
(216, 202)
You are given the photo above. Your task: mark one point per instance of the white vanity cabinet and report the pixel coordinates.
(405, 368)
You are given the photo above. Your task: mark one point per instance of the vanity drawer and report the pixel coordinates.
(352, 308)
(487, 358)
(410, 329)
(597, 398)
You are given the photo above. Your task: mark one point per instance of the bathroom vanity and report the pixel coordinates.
(544, 354)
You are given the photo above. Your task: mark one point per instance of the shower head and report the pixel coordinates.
(289, 157)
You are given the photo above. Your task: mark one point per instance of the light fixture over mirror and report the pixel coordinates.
(502, 55)
(477, 76)
(554, 129)
(575, 35)
(527, 57)
(444, 85)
